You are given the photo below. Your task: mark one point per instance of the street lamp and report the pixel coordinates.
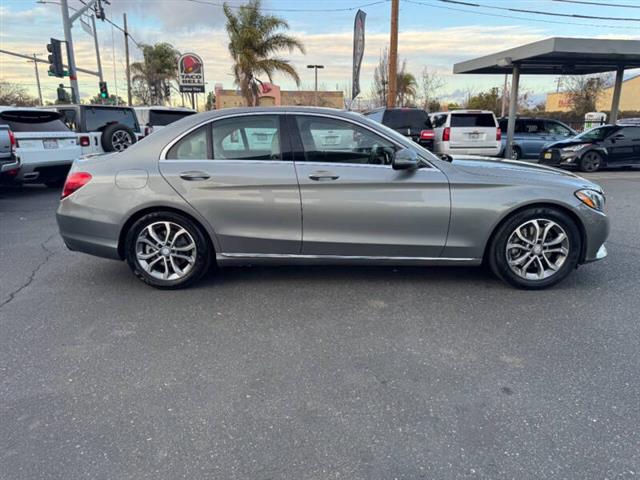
(315, 94)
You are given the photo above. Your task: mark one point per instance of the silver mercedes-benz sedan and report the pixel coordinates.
(310, 185)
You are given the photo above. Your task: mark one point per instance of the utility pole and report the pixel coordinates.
(35, 64)
(126, 51)
(95, 39)
(393, 55)
(315, 91)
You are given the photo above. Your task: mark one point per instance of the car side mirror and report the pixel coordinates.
(405, 159)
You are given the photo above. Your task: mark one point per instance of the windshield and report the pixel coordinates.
(408, 118)
(598, 133)
(33, 121)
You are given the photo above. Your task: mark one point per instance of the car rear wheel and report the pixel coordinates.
(535, 248)
(167, 250)
(590, 162)
(516, 153)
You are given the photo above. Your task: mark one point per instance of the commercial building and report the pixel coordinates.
(271, 95)
(629, 98)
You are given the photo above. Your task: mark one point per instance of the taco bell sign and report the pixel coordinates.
(190, 73)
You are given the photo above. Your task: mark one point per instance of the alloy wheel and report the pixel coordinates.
(121, 140)
(537, 249)
(590, 162)
(166, 251)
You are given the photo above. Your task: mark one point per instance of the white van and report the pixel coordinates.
(466, 132)
(155, 118)
(45, 145)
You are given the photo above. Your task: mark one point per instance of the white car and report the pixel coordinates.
(466, 132)
(156, 117)
(45, 145)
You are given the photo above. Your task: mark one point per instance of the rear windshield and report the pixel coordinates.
(407, 119)
(97, 118)
(472, 120)
(161, 118)
(33, 121)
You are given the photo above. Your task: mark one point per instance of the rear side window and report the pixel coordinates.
(33, 121)
(255, 137)
(97, 118)
(531, 126)
(472, 120)
(191, 147)
(162, 118)
(410, 118)
(439, 120)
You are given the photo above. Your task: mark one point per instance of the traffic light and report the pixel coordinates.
(56, 67)
(104, 92)
(167, 90)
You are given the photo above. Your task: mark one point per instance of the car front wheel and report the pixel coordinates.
(535, 248)
(590, 162)
(167, 250)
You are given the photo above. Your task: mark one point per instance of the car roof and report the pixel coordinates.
(163, 107)
(463, 110)
(75, 105)
(4, 108)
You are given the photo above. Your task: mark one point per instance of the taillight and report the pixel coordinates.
(427, 135)
(446, 134)
(85, 141)
(12, 141)
(74, 182)
(499, 134)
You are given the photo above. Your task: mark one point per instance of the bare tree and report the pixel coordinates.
(430, 83)
(381, 79)
(584, 91)
(15, 94)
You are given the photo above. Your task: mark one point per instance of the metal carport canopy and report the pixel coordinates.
(558, 56)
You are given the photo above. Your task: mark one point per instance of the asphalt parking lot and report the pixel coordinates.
(315, 373)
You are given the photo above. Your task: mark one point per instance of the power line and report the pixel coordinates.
(537, 12)
(119, 28)
(526, 19)
(266, 9)
(598, 4)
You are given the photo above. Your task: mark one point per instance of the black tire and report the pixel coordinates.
(203, 252)
(497, 253)
(516, 153)
(591, 162)
(117, 137)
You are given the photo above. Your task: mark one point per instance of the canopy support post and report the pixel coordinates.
(513, 110)
(617, 90)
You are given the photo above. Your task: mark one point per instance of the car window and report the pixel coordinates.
(598, 133)
(556, 128)
(533, 126)
(191, 147)
(69, 117)
(630, 132)
(376, 115)
(255, 137)
(504, 123)
(407, 118)
(439, 120)
(161, 118)
(33, 121)
(472, 120)
(337, 141)
(97, 118)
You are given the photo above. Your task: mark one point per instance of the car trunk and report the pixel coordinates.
(472, 130)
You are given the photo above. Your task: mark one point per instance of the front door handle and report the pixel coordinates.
(194, 176)
(323, 175)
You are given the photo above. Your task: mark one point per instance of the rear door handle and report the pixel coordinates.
(194, 176)
(322, 175)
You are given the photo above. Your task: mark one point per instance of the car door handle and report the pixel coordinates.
(323, 176)
(194, 176)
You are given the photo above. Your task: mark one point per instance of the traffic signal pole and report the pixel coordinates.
(126, 50)
(35, 65)
(73, 75)
(95, 40)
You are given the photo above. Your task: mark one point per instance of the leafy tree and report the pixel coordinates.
(491, 100)
(16, 94)
(255, 40)
(406, 85)
(157, 69)
(112, 100)
(211, 101)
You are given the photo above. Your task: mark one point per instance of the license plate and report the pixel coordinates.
(50, 144)
(474, 136)
(548, 155)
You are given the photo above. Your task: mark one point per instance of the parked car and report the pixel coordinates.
(466, 132)
(157, 117)
(601, 147)
(9, 161)
(45, 145)
(413, 123)
(102, 128)
(180, 200)
(531, 135)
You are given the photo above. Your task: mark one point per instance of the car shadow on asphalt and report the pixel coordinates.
(26, 191)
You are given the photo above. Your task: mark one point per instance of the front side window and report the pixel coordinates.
(255, 137)
(193, 146)
(337, 141)
(598, 133)
(558, 129)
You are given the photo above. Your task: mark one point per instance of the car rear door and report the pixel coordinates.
(533, 135)
(235, 173)
(472, 130)
(354, 204)
(624, 146)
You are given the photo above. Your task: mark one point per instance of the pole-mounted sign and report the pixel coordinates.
(190, 73)
(358, 51)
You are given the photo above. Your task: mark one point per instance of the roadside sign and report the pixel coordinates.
(190, 73)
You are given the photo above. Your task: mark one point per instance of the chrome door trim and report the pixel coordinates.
(340, 257)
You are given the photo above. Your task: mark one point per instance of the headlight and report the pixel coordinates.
(575, 148)
(591, 199)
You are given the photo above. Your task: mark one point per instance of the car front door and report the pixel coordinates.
(355, 204)
(624, 146)
(235, 173)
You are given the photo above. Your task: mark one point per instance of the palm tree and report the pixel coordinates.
(158, 68)
(407, 86)
(253, 40)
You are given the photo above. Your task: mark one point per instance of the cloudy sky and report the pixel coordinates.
(432, 34)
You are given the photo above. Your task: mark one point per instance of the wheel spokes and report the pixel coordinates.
(166, 250)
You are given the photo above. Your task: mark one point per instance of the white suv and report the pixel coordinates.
(156, 118)
(466, 132)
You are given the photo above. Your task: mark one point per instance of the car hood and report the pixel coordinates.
(519, 171)
(566, 143)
